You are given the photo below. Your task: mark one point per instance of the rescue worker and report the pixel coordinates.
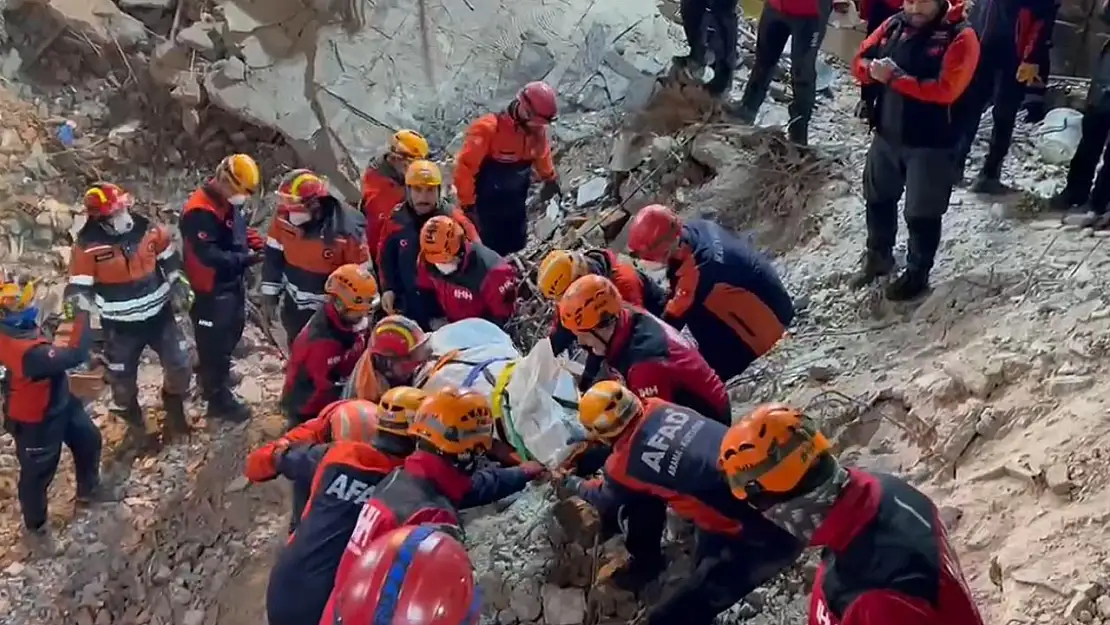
(416, 570)
(1013, 37)
(383, 182)
(698, 16)
(325, 352)
(40, 412)
(129, 268)
(803, 23)
(367, 444)
(452, 428)
(459, 279)
(396, 257)
(666, 455)
(315, 236)
(562, 267)
(725, 293)
(886, 556)
(1087, 205)
(219, 249)
(397, 348)
(923, 58)
(493, 169)
(873, 13)
(652, 357)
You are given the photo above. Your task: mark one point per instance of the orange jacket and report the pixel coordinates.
(497, 136)
(382, 190)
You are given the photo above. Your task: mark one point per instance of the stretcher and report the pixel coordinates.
(534, 397)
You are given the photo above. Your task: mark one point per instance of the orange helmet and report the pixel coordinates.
(352, 420)
(409, 143)
(770, 450)
(607, 408)
(589, 302)
(454, 422)
(353, 288)
(398, 405)
(414, 575)
(105, 199)
(441, 239)
(653, 232)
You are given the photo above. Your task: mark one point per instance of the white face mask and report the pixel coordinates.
(362, 324)
(299, 219)
(651, 265)
(447, 268)
(237, 200)
(120, 223)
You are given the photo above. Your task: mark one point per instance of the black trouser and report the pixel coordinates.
(806, 35)
(124, 343)
(643, 521)
(501, 210)
(726, 569)
(722, 19)
(1092, 148)
(301, 490)
(926, 176)
(995, 81)
(218, 322)
(293, 319)
(38, 448)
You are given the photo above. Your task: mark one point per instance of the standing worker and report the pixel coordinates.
(383, 182)
(916, 120)
(1013, 38)
(128, 267)
(726, 294)
(885, 553)
(315, 236)
(400, 238)
(803, 23)
(873, 13)
(219, 248)
(459, 279)
(41, 413)
(493, 170)
(721, 17)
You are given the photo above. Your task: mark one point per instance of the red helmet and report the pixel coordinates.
(415, 575)
(536, 100)
(105, 199)
(397, 337)
(653, 233)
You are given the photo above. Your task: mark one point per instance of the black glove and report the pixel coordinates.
(549, 190)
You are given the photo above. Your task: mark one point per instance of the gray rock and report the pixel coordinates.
(203, 37)
(563, 606)
(524, 601)
(193, 617)
(1057, 480)
(161, 5)
(1102, 604)
(591, 192)
(1061, 385)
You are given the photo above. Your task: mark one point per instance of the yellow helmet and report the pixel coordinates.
(409, 143)
(558, 270)
(397, 407)
(423, 174)
(607, 409)
(241, 173)
(15, 296)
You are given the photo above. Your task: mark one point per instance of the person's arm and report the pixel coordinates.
(421, 304)
(468, 161)
(200, 229)
(1034, 30)
(650, 379)
(560, 337)
(590, 372)
(544, 165)
(499, 293)
(469, 229)
(389, 248)
(603, 492)
(169, 260)
(686, 282)
(319, 365)
(299, 463)
(883, 607)
(316, 430)
(957, 68)
(867, 53)
(82, 275)
(273, 260)
(655, 299)
(496, 483)
(46, 361)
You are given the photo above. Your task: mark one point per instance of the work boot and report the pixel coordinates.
(136, 437)
(225, 406)
(798, 132)
(873, 266)
(633, 574)
(97, 493)
(988, 184)
(1062, 202)
(909, 285)
(40, 542)
(176, 423)
(688, 69)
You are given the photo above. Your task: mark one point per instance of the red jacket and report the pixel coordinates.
(887, 560)
(322, 356)
(483, 286)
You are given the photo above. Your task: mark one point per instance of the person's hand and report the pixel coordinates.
(254, 240)
(534, 470)
(388, 302)
(1028, 74)
(269, 309)
(882, 70)
(549, 190)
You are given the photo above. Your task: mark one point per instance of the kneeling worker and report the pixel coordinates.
(886, 556)
(666, 455)
(398, 347)
(460, 279)
(726, 294)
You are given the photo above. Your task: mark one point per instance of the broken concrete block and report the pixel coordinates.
(1061, 385)
(591, 192)
(1057, 480)
(711, 151)
(203, 37)
(160, 5)
(977, 378)
(524, 601)
(563, 606)
(1079, 602)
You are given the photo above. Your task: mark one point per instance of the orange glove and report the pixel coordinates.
(261, 464)
(1028, 74)
(254, 240)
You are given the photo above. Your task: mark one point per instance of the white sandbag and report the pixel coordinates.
(542, 406)
(479, 354)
